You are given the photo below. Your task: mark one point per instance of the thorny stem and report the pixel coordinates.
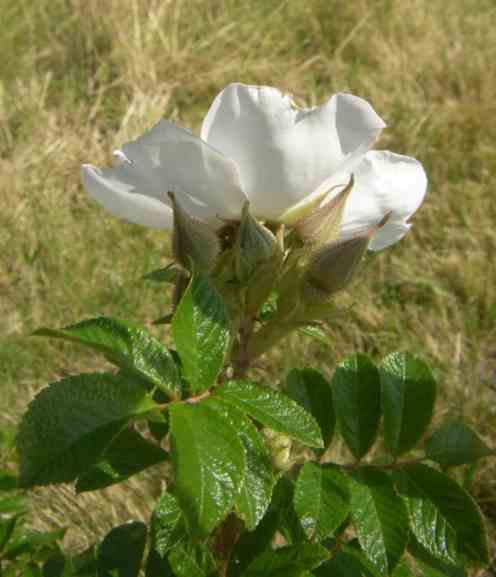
(229, 532)
(241, 361)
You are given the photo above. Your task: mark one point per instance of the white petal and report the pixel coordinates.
(391, 233)
(169, 158)
(113, 192)
(283, 152)
(384, 183)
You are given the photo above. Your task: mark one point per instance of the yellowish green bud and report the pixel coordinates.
(321, 226)
(333, 266)
(193, 241)
(255, 246)
(280, 446)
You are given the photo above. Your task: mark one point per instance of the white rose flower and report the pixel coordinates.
(256, 145)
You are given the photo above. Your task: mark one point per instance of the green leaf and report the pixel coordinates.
(379, 517)
(315, 332)
(209, 464)
(166, 274)
(290, 561)
(348, 561)
(6, 528)
(443, 517)
(310, 389)
(251, 544)
(200, 328)
(8, 482)
(33, 543)
(272, 409)
(183, 563)
(456, 444)
(430, 565)
(129, 453)
(166, 526)
(121, 551)
(128, 346)
(321, 499)
(408, 397)
(256, 491)
(71, 422)
(159, 429)
(283, 504)
(13, 505)
(156, 566)
(357, 399)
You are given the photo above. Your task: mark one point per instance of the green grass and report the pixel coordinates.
(77, 79)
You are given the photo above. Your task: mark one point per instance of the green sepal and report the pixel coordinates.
(194, 242)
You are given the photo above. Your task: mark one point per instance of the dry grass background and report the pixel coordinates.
(79, 77)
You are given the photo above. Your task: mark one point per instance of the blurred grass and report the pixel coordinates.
(80, 77)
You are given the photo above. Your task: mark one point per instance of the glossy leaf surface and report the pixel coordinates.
(200, 328)
(408, 397)
(128, 346)
(272, 409)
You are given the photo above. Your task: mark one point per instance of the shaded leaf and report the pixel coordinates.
(310, 389)
(290, 561)
(129, 453)
(6, 528)
(128, 346)
(251, 544)
(209, 464)
(357, 399)
(443, 517)
(408, 397)
(456, 444)
(348, 561)
(70, 423)
(8, 482)
(272, 409)
(430, 565)
(283, 505)
(379, 517)
(200, 328)
(121, 551)
(321, 499)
